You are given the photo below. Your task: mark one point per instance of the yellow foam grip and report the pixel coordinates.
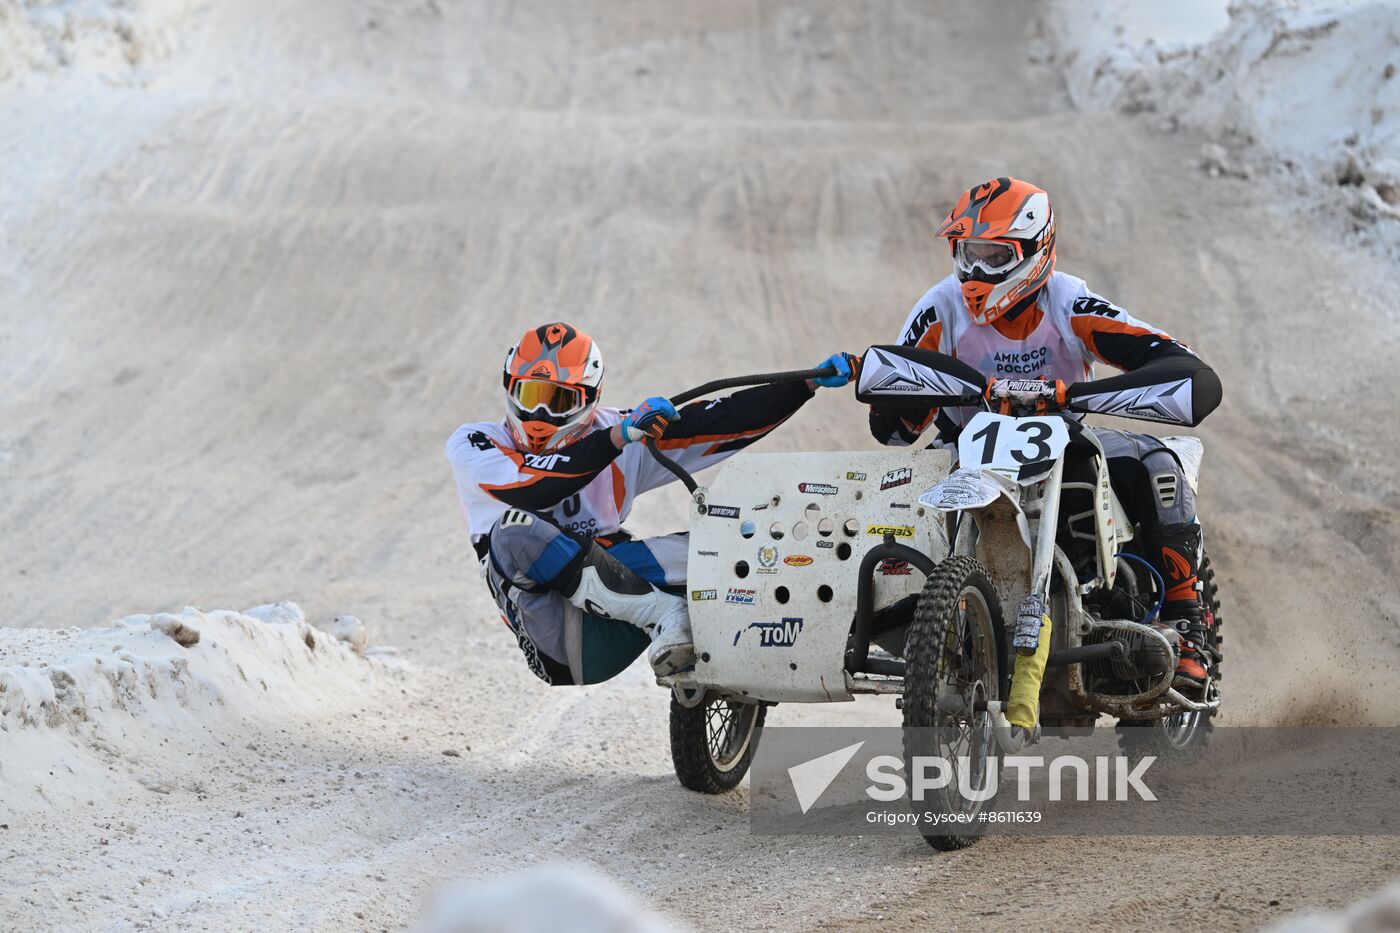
(1023, 708)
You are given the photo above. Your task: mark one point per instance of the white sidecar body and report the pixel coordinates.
(774, 559)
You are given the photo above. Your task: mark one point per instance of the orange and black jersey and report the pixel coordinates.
(588, 486)
(1062, 335)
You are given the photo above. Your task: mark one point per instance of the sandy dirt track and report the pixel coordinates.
(244, 301)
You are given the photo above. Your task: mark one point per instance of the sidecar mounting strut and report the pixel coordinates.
(858, 657)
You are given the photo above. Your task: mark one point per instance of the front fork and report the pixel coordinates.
(1018, 723)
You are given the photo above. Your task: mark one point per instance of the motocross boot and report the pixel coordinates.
(605, 587)
(1175, 550)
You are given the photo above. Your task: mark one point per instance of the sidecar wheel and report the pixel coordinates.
(712, 743)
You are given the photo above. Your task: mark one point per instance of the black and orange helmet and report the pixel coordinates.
(1002, 234)
(552, 379)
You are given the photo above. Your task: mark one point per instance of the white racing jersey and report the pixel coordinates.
(588, 487)
(1061, 337)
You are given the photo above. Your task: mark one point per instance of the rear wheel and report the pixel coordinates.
(1182, 734)
(955, 662)
(713, 742)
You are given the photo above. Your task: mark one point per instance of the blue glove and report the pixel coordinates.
(845, 370)
(649, 419)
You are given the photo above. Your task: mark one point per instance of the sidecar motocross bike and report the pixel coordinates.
(954, 581)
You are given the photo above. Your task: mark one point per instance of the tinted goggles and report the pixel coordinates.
(547, 398)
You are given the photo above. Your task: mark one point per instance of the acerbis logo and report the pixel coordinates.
(898, 531)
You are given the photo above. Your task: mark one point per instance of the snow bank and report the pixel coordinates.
(1305, 85)
(85, 713)
(106, 37)
(542, 900)
(1372, 915)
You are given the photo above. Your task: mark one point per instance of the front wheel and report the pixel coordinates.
(712, 742)
(955, 662)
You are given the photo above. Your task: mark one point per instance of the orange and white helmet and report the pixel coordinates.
(552, 379)
(1002, 234)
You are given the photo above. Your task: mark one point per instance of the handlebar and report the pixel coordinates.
(719, 385)
(762, 379)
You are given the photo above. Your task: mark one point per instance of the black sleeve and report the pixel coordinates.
(1171, 385)
(548, 479)
(725, 425)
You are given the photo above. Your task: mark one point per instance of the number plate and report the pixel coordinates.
(1006, 445)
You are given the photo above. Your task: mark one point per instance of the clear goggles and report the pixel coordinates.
(992, 257)
(535, 397)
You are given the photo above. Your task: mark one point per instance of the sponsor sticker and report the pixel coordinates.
(740, 597)
(708, 553)
(825, 544)
(773, 634)
(856, 477)
(899, 531)
(797, 560)
(894, 568)
(818, 489)
(900, 477)
(767, 559)
(703, 595)
(899, 505)
(722, 511)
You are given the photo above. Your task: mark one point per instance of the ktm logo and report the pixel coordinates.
(1178, 568)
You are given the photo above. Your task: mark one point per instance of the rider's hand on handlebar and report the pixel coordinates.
(649, 419)
(845, 366)
(1021, 396)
